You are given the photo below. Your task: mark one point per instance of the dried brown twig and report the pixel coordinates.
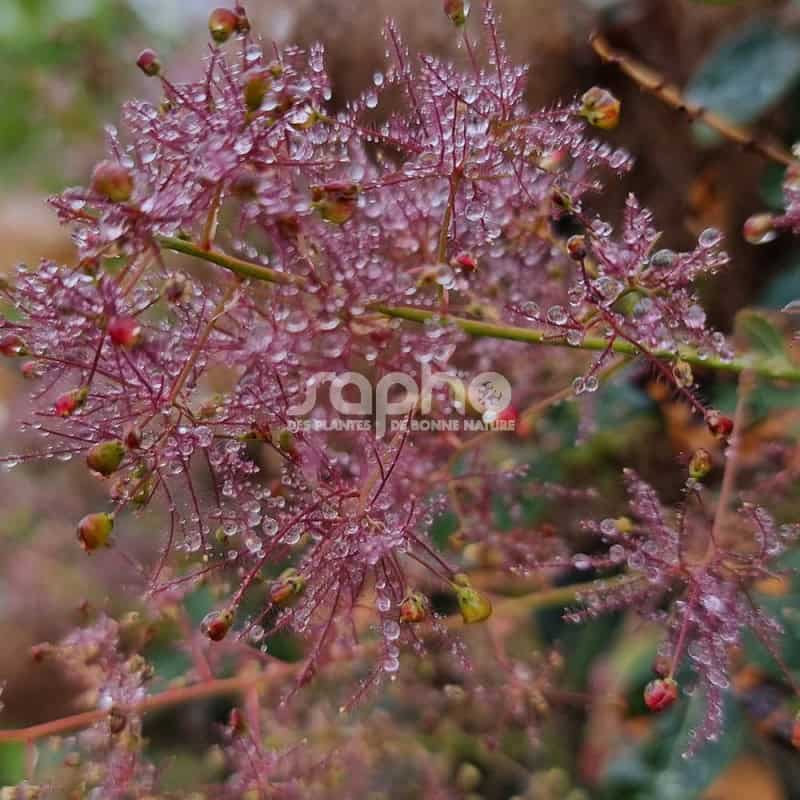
(652, 82)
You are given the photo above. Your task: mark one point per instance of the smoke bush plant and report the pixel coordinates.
(322, 241)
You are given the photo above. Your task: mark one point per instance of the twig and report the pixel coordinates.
(547, 598)
(657, 85)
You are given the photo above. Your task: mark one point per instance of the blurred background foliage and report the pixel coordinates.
(65, 65)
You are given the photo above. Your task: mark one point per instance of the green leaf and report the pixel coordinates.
(783, 288)
(657, 769)
(686, 778)
(12, 762)
(771, 187)
(746, 74)
(762, 335)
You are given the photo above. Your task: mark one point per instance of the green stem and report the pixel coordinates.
(247, 269)
(765, 368)
(561, 596)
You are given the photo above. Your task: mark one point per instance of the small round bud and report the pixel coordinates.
(104, 458)
(660, 694)
(457, 11)
(506, 420)
(553, 160)
(561, 201)
(148, 63)
(111, 180)
(700, 464)
(720, 425)
(242, 21)
(336, 202)
(468, 777)
(94, 531)
(69, 402)
(12, 345)
(41, 651)
(216, 624)
(760, 229)
(236, 723)
(414, 608)
(474, 606)
(125, 331)
(132, 437)
(576, 247)
(31, 369)
(600, 108)
(222, 24)
(796, 732)
(255, 90)
(682, 372)
(624, 525)
(289, 586)
(466, 262)
(286, 440)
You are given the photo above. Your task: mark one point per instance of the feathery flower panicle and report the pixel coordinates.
(323, 230)
(708, 594)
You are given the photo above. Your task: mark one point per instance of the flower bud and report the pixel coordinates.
(414, 608)
(242, 21)
(111, 180)
(12, 345)
(561, 201)
(216, 624)
(236, 723)
(760, 229)
(132, 437)
(576, 247)
(466, 262)
(506, 420)
(148, 63)
(94, 531)
(468, 777)
(474, 606)
(31, 369)
(69, 402)
(125, 331)
(682, 372)
(700, 464)
(720, 425)
(105, 457)
(660, 694)
(289, 586)
(255, 90)
(284, 441)
(457, 10)
(222, 24)
(624, 525)
(336, 202)
(600, 108)
(552, 160)
(796, 732)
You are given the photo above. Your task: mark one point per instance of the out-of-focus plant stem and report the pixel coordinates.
(560, 596)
